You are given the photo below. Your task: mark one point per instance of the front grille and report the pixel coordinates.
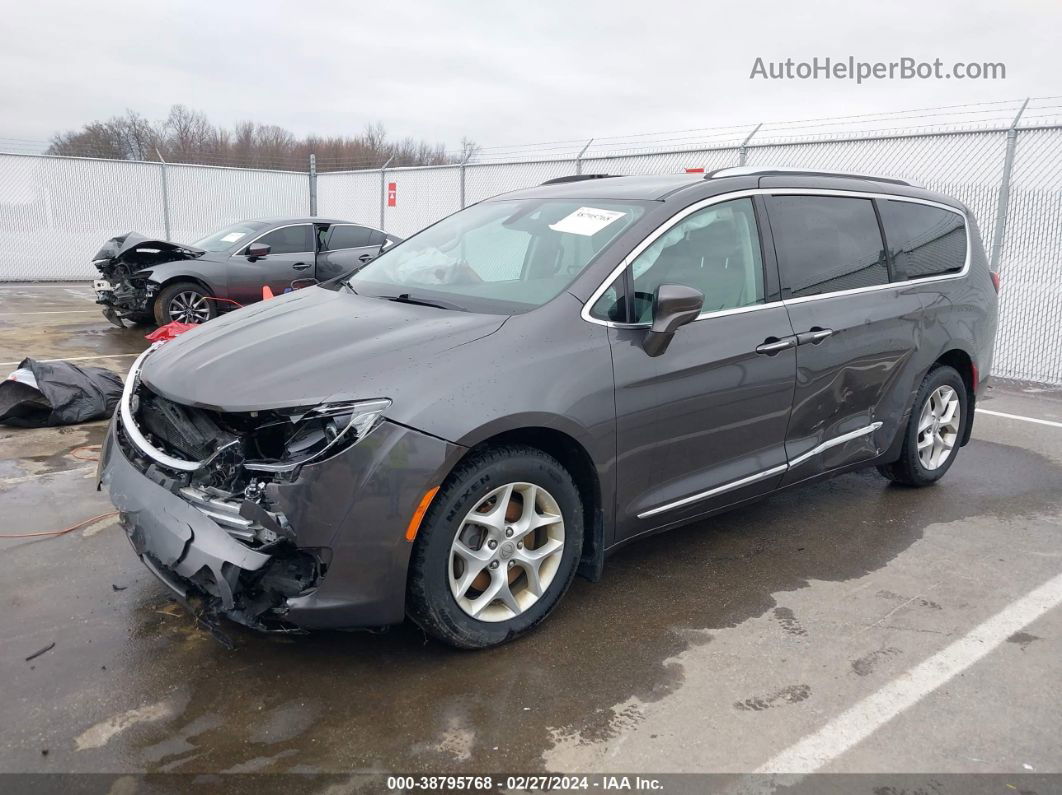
(224, 510)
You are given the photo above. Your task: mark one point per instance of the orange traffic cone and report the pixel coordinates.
(266, 292)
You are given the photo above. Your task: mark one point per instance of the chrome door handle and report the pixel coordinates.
(771, 346)
(814, 336)
(300, 266)
(365, 257)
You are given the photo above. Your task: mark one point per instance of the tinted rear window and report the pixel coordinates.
(923, 240)
(826, 244)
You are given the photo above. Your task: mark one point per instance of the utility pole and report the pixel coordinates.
(165, 195)
(1004, 190)
(743, 152)
(313, 184)
(464, 162)
(579, 157)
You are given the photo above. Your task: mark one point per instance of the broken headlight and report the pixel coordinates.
(309, 435)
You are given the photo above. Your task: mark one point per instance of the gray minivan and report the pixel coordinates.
(491, 406)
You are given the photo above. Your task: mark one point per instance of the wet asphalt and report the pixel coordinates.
(710, 648)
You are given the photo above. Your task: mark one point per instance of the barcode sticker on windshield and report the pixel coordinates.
(586, 221)
(232, 237)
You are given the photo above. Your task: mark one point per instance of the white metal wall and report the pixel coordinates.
(204, 199)
(350, 195)
(664, 163)
(1029, 343)
(56, 212)
(423, 196)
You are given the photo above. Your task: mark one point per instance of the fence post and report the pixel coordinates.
(313, 184)
(383, 188)
(743, 152)
(1004, 190)
(165, 195)
(468, 156)
(579, 157)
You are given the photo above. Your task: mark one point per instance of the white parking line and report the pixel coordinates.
(76, 358)
(54, 312)
(860, 721)
(1052, 423)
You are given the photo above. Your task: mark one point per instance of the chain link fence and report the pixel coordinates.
(55, 212)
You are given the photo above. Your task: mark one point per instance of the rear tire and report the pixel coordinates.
(934, 430)
(187, 302)
(497, 549)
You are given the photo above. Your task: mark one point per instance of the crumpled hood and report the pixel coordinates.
(126, 246)
(307, 347)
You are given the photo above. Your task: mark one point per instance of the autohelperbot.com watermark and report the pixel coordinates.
(851, 68)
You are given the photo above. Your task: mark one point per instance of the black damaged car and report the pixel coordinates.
(156, 281)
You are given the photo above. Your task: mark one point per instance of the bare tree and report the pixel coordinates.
(469, 149)
(187, 136)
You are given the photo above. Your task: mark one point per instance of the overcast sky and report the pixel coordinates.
(499, 72)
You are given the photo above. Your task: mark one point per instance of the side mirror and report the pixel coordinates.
(257, 251)
(674, 305)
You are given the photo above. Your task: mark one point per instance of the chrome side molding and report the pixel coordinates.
(845, 437)
(734, 484)
(745, 481)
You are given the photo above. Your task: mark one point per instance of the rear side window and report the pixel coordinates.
(349, 236)
(923, 240)
(826, 244)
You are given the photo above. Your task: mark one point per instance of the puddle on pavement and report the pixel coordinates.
(53, 449)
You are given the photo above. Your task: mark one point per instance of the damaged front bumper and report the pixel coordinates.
(126, 292)
(125, 298)
(322, 549)
(181, 545)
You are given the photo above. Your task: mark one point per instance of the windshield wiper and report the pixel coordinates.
(406, 298)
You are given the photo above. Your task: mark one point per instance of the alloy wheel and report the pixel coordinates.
(938, 427)
(506, 552)
(189, 307)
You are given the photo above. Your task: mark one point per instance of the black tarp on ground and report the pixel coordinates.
(64, 394)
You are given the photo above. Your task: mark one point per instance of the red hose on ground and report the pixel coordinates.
(64, 531)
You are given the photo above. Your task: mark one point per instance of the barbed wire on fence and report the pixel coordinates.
(966, 117)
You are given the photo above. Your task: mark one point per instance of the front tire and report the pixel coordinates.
(186, 302)
(497, 549)
(932, 437)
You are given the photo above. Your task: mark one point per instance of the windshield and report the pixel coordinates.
(498, 257)
(228, 237)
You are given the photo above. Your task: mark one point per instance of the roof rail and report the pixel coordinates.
(577, 178)
(767, 171)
